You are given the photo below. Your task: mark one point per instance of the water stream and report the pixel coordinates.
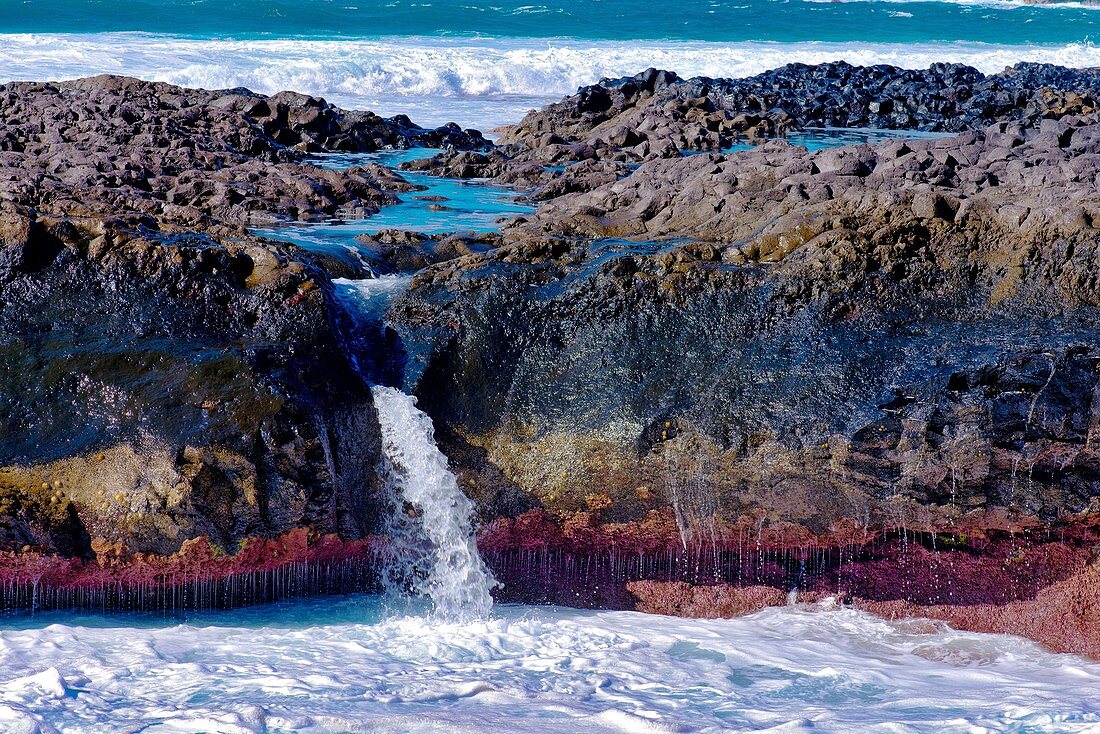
(432, 551)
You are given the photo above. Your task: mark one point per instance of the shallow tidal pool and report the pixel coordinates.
(444, 205)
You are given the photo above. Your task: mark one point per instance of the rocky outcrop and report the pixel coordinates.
(157, 384)
(687, 384)
(655, 110)
(595, 136)
(407, 252)
(108, 144)
(831, 349)
(772, 200)
(165, 376)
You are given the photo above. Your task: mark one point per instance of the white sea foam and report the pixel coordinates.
(483, 82)
(792, 669)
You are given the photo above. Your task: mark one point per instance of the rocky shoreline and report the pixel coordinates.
(690, 382)
(198, 577)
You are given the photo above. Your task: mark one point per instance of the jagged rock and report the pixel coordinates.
(705, 114)
(656, 115)
(108, 144)
(166, 385)
(821, 356)
(893, 332)
(401, 251)
(756, 198)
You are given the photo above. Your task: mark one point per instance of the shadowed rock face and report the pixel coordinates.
(157, 385)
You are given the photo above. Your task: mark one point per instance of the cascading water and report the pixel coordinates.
(432, 546)
(441, 561)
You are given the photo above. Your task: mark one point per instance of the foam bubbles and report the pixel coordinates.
(321, 666)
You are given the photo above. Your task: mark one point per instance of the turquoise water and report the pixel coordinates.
(696, 20)
(477, 207)
(821, 138)
(464, 207)
(290, 614)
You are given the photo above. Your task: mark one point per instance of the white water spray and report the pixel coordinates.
(434, 546)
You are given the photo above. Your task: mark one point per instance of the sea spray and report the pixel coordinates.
(339, 664)
(433, 546)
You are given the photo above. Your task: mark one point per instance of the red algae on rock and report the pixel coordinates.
(1064, 617)
(297, 563)
(679, 599)
(1041, 582)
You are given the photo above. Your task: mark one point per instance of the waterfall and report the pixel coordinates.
(433, 547)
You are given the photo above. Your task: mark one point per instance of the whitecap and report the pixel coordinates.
(478, 81)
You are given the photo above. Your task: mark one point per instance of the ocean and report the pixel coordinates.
(484, 64)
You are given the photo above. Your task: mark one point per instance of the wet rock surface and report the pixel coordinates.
(898, 335)
(1047, 591)
(401, 251)
(160, 384)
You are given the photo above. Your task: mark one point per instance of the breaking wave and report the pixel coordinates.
(482, 82)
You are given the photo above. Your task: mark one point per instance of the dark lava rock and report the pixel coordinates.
(108, 144)
(893, 335)
(706, 114)
(159, 384)
(672, 355)
(600, 132)
(768, 201)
